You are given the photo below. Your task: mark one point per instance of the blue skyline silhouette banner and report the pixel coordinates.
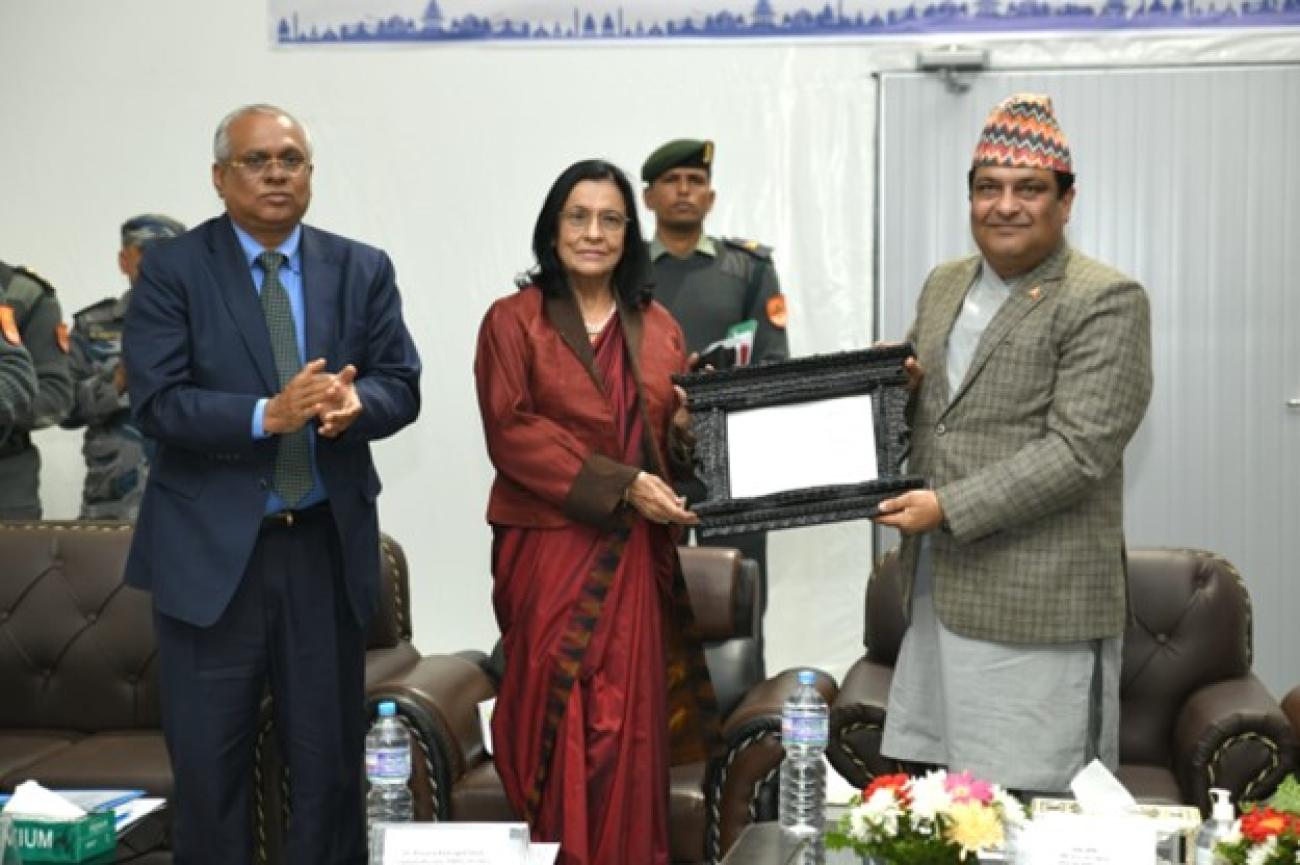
(326, 22)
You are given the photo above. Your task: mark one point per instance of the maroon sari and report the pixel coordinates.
(581, 720)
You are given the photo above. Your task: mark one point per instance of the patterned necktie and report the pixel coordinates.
(292, 478)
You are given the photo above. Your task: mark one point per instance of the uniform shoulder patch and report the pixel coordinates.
(9, 326)
(777, 312)
(753, 247)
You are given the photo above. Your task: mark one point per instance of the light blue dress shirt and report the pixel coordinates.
(291, 279)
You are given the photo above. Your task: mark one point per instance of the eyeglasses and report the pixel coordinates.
(256, 164)
(610, 221)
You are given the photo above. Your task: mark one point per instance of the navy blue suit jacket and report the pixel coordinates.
(198, 357)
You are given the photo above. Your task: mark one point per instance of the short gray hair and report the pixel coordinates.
(221, 141)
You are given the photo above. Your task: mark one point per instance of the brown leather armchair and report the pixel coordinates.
(80, 703)
(1192, 714)
(709, 803)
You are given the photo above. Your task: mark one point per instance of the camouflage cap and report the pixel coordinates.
(149, 228)
(682, 153)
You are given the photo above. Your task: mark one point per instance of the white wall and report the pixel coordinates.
(441, 155)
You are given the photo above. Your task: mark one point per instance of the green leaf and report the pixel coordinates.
(1287, 797)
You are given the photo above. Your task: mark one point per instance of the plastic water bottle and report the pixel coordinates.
(1214, 830)
(388, 768)
(804, 730)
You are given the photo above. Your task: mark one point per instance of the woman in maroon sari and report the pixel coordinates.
(602, 689)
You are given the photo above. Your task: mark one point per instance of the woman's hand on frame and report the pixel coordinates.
(656, 501)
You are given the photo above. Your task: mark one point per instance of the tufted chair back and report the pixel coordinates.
(76, 647)
(1189, 626)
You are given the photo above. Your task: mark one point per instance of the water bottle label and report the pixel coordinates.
(811, 731)
(388, 763)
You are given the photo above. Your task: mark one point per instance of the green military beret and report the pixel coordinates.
(684, 152)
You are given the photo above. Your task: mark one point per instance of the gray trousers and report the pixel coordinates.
(1026, 716)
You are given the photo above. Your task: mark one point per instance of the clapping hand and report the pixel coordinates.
(341, 405)
(300, 401)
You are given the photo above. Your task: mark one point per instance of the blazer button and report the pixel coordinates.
(940, 429)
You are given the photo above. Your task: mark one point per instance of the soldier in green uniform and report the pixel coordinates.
(117, 462)
(30, 316)
(714, 287)
(17, 384)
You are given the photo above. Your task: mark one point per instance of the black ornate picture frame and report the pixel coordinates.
(713, 396)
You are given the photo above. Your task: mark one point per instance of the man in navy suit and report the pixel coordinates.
(264, 356)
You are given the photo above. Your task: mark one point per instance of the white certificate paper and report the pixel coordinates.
(809, 444)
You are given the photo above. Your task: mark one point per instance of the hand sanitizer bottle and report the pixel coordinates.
(1214, 829)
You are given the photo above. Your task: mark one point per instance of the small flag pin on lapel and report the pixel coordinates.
(1035, 293)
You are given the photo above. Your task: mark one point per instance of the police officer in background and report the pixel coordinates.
(116, 459)
(30, 317)
(17, 384)
(715, 287)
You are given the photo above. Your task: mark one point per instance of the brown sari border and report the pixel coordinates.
(569, 655)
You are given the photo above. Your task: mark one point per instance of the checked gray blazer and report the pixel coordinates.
(1026, 456)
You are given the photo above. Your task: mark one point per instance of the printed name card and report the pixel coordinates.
(452, 844)
(1085, 839)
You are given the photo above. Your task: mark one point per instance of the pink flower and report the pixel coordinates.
(964, 788)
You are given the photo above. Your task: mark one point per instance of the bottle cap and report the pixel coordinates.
(387, 709)
(1222, 809)
(807, 677)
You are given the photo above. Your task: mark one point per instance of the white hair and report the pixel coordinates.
(221, 141)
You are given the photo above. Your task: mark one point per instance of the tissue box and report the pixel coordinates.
(44, 840)
(1176, 825)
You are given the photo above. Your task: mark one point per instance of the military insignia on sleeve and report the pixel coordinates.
(9, 326)
(61, 337)
(776, 312)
